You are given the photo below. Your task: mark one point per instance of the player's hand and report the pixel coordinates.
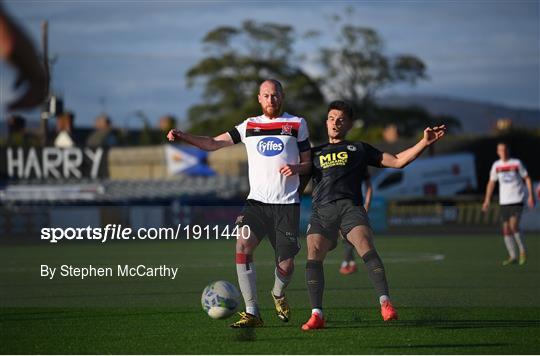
(432, 134)
(485, 206)
(530, 202)
(289, 170)
(366, 207)
(174, 134)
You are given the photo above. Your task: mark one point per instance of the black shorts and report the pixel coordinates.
(510, 210)
(280, 222)
(340, 215)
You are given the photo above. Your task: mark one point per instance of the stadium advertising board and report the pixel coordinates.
(53, 163)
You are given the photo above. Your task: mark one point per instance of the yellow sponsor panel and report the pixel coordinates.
(333, 159)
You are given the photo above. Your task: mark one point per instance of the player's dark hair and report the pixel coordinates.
(342, 106)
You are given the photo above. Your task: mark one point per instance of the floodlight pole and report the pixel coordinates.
(44, 119)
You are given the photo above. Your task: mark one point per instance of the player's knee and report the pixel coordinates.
(316, 251)
(286, 268)
(245, 246)
(362, 244)
(365, 242)
(311, 247)
(242, 248)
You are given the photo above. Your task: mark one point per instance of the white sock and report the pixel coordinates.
(344, 264)
(253, 310)
(280, 283)
(247, 279)
(352, 263)
(384, 298)
(317, 311)
(510, 247)
(520, 243)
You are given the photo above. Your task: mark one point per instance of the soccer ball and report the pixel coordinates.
(220, 299)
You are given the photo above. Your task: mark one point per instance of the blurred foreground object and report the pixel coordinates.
(17, 49)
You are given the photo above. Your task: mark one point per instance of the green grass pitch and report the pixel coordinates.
(451, 292)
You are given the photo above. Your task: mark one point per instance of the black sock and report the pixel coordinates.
(349, 252)
(376, 272)
(315, 282)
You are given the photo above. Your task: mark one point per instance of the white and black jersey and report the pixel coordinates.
(509, 174)
(271, 144)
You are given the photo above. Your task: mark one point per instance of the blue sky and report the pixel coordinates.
(123, 56)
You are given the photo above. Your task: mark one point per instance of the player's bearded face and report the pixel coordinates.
(337, 124)
(270, 99)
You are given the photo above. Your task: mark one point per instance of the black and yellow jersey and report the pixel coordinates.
(339, 169)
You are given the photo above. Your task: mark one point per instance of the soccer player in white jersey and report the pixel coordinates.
(278, 152)
(510, 173)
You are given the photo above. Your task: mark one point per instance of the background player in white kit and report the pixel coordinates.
(278, 152)
(510, 173)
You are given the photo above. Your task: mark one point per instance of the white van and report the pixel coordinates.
(444, 176)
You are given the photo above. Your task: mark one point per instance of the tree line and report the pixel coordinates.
(354, 67)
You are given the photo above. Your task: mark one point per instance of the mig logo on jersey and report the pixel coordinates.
(270, 146)
(333, 159)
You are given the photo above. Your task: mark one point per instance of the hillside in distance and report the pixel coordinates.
(476, 117)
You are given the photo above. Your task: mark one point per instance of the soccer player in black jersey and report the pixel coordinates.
(337, 171)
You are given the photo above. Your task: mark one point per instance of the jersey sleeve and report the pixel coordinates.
(238, 134)
(373, 155)
(493, 173)
(303, 137)
(522, 170)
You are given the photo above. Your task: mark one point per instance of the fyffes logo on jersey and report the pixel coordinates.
(270, 146)
(508, 177)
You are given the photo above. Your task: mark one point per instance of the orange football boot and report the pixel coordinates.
(350, 268)
(315, 322)
(388, 312)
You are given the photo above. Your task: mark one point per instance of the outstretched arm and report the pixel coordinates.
(431, 135)
(203, 142)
